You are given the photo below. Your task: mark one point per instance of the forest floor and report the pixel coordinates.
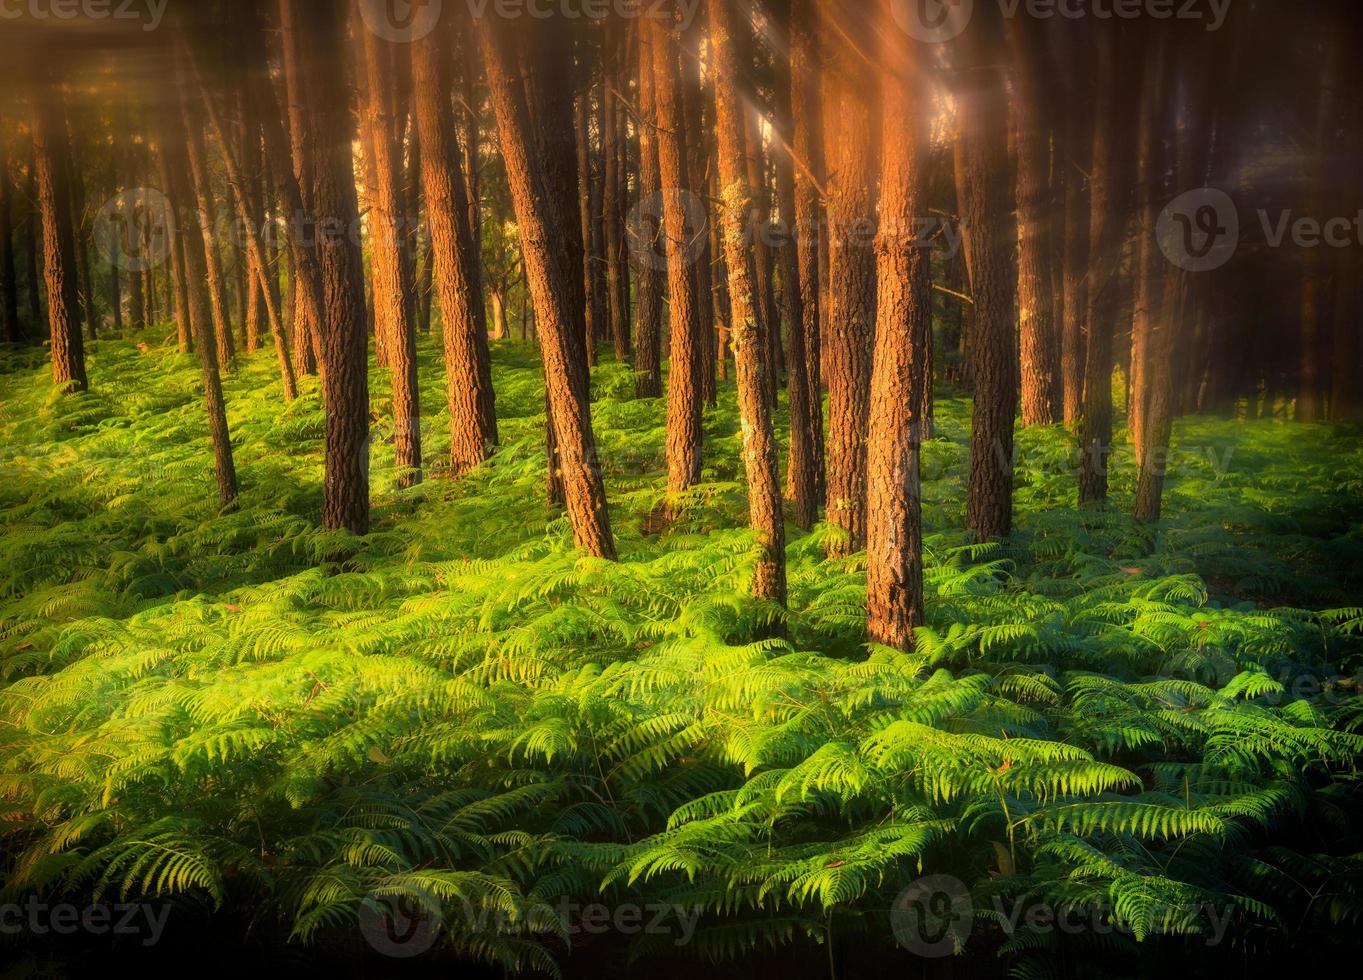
(1143, 733)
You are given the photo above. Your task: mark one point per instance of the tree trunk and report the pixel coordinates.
(206, 214)
(292, 164)
(1037, 358)
(548, 274)
(32, 242)
(87, 285)
(589, 205)
(9, 287)
(851, 274)
(1315, 286)
(392, 273)
(617, 268)
(695, 108)
(1108, 194)
(344, 358)
(188, 288)
(805, 421)
(647, 234)
(1150, 313)
(246, 210)
(727, 30)
(1078, 150)
(52, 170)
(807, 140)
(684, 408)
(894, 533)
(984, 191)
(473, 428)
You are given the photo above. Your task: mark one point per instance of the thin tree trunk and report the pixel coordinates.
(187, 288)
(246, 211)
(548, 274)
(647, 229)
(805, 421)
(807, 141)
(727, 28)
(1312, 382)
(9, 287)
(205, 211)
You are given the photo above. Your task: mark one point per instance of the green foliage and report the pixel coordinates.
(467, 715)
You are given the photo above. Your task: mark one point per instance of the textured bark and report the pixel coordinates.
(684, 431)
(187, 249)
(1038, 359)
(769, 321)
(699, 153)
(851, 273)
(1346, 405)
(805, 423)
(471, 145)
(985, 201)
(52, 168)
(473, 428)
(345, 384)
(736, 204)
(648, 310)
(807, 141)
(246, 215)
(9, 286)
(548, 276)
(894, 533)
(388, 250)
(1108, 194)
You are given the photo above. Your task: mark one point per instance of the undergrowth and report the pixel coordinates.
(1140, 726)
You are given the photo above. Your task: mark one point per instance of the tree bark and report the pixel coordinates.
(388, 249)
(473, 427)
(52, 170)
(894, 545)
(648, 233)
(344, 358)
(548, 276)
(851, 274)
(984, 191)
(684, 411)
(805, 421)
(1037, 356)
(206, 214)
(617, 268)
(736, 212)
